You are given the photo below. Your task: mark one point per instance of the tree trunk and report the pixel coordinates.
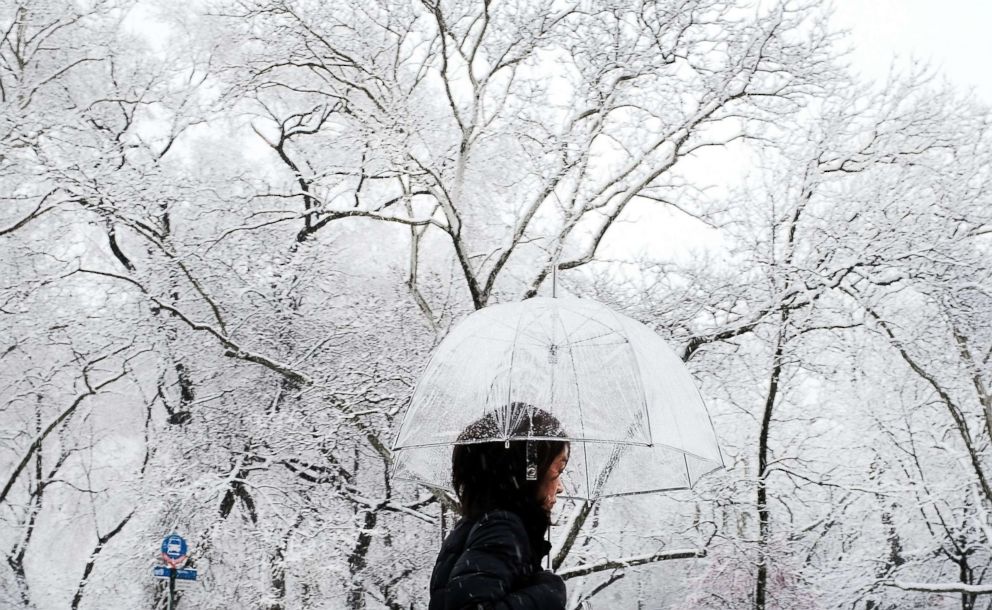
(358, 560)
(761, 579)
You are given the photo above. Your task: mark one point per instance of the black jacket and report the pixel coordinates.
(491, 563)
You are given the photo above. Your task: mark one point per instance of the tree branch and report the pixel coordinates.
(37, 442)
(630, 562)
(938, 587)
(233, 349)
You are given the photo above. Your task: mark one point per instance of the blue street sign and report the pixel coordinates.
(163, 572)
(186, 574)
(174, 546)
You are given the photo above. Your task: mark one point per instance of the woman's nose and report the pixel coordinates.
(560, 489)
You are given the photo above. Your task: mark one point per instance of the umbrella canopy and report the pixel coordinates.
(626, 402)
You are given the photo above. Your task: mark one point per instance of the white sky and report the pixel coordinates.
(952, 34)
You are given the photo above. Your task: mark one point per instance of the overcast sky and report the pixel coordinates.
(952, 34)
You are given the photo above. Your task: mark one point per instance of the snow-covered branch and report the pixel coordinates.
(939, 587)
(629, 562)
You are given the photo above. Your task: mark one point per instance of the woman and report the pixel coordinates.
(491, 560)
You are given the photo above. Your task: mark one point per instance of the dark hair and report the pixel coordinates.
(492, 475)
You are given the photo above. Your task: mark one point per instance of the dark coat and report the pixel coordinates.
(491, 563)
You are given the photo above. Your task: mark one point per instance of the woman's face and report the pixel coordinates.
(550, 486)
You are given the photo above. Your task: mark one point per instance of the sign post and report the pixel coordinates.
(174, 553)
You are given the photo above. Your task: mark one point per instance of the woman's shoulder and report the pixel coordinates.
(501, 517)
(501, 529)
(499, 522)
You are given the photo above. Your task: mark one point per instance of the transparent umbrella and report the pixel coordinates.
(635, 419)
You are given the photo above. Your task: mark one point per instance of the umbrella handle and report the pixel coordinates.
(554, 278)
(531, 461)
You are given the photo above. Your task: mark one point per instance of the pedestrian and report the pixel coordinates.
(506, 490)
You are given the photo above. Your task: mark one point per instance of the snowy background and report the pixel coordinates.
(231, 232)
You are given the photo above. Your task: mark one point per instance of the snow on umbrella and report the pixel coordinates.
(625, 401)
